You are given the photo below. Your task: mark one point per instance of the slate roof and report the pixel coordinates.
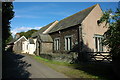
(41, 30)
(72, 20)
(45, 38)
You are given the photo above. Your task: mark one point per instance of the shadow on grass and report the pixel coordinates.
(102, 70)
(14, 66)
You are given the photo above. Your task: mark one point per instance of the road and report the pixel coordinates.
(39, 70)
(23, 66)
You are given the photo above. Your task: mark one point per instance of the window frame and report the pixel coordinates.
(57, 45)
(67, 48)
(98, 39)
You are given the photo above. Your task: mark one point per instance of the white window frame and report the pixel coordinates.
(57, 44)
(98, 43)
(68, 43)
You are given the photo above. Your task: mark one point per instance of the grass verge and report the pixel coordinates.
(96, 71)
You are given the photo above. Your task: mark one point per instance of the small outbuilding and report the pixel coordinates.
(44, 44)
(16, 44)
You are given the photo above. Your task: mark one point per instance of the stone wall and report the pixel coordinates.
(70, 58)
(46, 47)
(72, 31)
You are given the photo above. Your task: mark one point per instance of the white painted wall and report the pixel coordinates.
(35, 41)
(25, 46)
(31, 49)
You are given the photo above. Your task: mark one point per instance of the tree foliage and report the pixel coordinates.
(106, 17)
(7, 15)
(112, 35)
(10, 38)
(28, 33)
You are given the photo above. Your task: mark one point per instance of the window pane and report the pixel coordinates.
(68, 43)
(65, 44)
(96, 44)
(101, 47)
(56, 44)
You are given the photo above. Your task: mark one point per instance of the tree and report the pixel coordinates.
(10, 38)
(106, 17)
(7, 15)
(112, 36)
(28, 33)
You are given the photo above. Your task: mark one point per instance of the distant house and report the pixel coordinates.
(28, 46)
(16, 43)
(79, 32)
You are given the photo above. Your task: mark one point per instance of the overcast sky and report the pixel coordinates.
(34, 15)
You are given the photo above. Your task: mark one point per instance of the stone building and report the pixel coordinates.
(16, 44)
(44, 44)
(79, 32)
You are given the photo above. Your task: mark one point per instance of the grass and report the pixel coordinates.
(96, 71)
(50, 61)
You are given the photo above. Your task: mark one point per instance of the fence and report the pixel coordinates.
(100, 56)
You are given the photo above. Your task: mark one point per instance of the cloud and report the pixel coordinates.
(26, 16)
(17, 16)
(23, 29)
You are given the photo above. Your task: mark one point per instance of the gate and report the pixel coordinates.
(100, 56)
